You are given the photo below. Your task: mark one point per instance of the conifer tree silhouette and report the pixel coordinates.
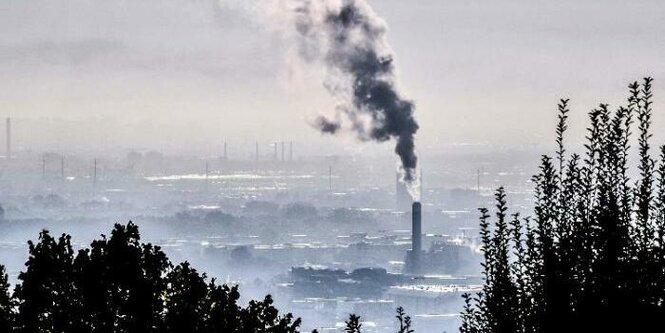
(353, 324)
(6, 303)
(592, 257)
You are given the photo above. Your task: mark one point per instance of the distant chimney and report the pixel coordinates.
(256, 156)
(275, 157)
(290, 150)
(414, 256)
(43, 167)
(282, 151)
(330, 178)
(416, 230)
(9, 137)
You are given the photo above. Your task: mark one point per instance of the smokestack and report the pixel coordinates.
(275, 157)
(416, 232)
(478, 181)
(290, 151)
(43, 167)
(9, 137)
(207, 179)
(282, 151)
(225, 155)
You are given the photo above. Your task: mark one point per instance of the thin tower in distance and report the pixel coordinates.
(8, 142)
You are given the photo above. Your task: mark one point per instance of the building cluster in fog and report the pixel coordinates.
(325, 234)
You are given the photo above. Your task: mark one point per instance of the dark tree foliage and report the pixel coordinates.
(119, 284)
(6, 303)
(47, 297)
(353, 325)
(404, 321)
(592, 258)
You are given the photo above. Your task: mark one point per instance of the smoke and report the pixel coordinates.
(326, 126)
(348, 39)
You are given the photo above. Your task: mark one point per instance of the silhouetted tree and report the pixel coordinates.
(592, 258)
(353, 324)
(122, 282)
(404, 321)
(263, 317)
(119, 284)
(184, 297)
(6, 303)
(46, 295)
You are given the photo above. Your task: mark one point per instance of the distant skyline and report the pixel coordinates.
(167, 74)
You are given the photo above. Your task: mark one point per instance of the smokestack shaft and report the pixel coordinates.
(416, 229)
(9, 137)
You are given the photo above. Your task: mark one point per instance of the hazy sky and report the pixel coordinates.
(168, 74)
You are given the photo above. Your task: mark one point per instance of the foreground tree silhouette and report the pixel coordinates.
(6, 303)
(185, 298)
(47, 297)
(592, 258)
(122, 285)
(353, 324)
(119, 284)
(404, 321)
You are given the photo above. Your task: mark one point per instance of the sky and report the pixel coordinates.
(185, 75)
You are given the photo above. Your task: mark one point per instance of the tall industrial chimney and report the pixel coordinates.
(413, 257)
(9, 137)
(416, 230)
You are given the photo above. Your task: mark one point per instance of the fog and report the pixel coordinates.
(259, 223)
(192, 118)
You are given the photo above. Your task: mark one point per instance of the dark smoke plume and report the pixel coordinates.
(349, 39)
(327, 126)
